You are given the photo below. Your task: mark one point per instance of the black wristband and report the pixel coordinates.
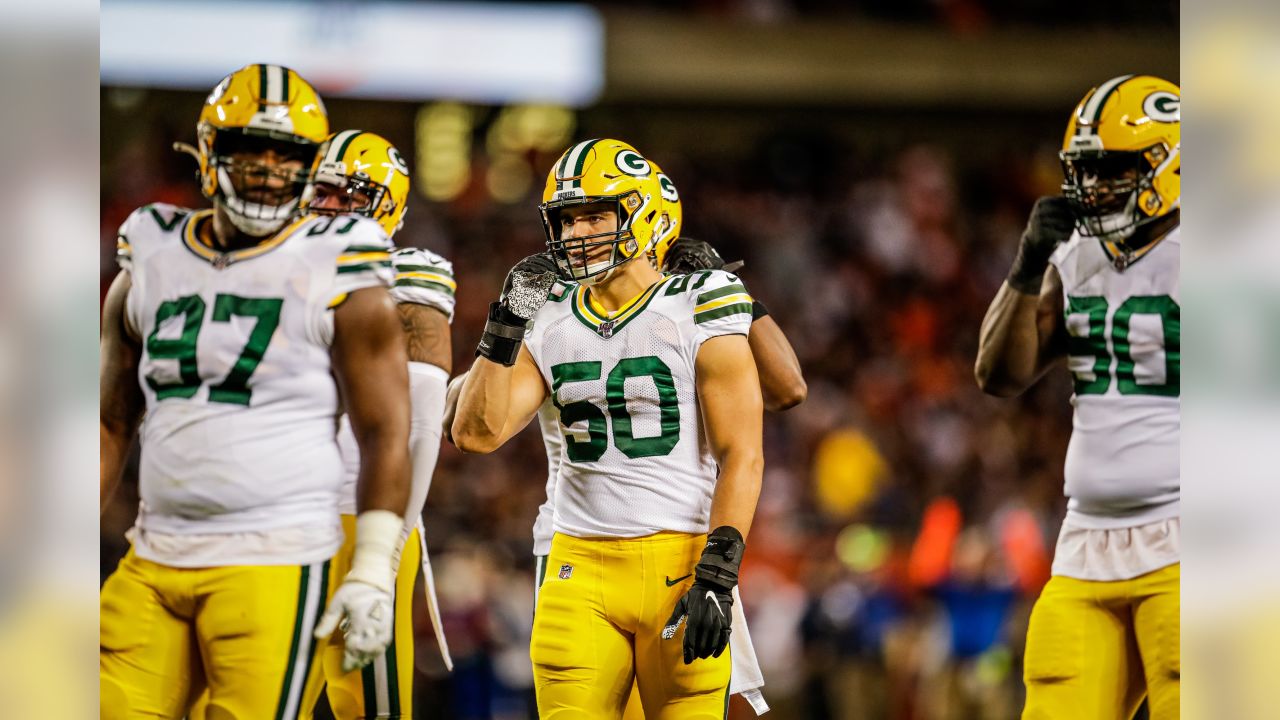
(503, 336)
(758, 310)
(721, 557)
(1027, 273)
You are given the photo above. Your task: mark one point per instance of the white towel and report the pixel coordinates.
(747, 680)
(433, 604)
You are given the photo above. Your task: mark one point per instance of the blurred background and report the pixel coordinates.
(873, 162)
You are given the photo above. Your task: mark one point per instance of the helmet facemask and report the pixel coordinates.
(259, 197)
(335, 193)
(574, 256)
(1105, 189)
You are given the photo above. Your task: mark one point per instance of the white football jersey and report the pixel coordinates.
(423, 278)
(636, 459)
(241, 404)
(549, 424)
(1125, 354)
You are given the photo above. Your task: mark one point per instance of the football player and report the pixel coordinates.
(229, 326)
(362, 173)
(659, 403)
(782, 386)
(1095, 282)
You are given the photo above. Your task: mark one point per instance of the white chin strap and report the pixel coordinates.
(251, 218)
(579, 272)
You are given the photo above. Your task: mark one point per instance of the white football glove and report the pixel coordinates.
(367, 616)
(362, 605)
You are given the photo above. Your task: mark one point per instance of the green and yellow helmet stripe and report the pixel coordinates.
(575, 158)
(338, 145)
(1091, 109)
(273, 85)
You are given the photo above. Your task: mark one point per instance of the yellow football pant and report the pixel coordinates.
(598, 626)
(1095, 649)
(243, 632)
(634, 709)
(383, 688)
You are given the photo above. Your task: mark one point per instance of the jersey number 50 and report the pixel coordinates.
(233, 389)
(624, 438)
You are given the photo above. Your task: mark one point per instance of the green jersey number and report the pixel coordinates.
(1094, 343)
(624, 438)
(234, 388)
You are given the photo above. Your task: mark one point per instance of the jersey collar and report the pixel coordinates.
(606, 325)
(220, 259)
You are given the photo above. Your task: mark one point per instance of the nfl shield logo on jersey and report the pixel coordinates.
(566, 571)
(606, 329)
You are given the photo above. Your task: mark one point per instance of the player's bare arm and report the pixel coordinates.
(504, 388)
(371, 365)
(732, 408)
(451, 396)
(120, 400)
(1021, 338)
(496, 402)
(781, 379)
(426, 334)
(1022, 334)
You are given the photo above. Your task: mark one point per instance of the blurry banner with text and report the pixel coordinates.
(477, 52)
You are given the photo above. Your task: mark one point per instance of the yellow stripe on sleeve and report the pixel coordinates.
(351, 258)
(721, 302)
(432, 277)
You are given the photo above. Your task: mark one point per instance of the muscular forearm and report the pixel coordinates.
(383, 483)
(737, 490)
(113, 449)
(483, 407)
(1009, 345)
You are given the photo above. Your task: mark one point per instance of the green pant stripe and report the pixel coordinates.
(287, 687)
(393, 680)
(315, 645)
(370, 684)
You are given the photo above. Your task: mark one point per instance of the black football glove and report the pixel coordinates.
(688, 255)
(707, 609)
(1050, 224)
(523, 294)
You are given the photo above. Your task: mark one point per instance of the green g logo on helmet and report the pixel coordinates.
(397, 161)
(630, 162)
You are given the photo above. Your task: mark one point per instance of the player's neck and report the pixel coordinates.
(627, 283)
(222, 235)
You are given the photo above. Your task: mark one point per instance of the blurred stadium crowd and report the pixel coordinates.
(906, 521)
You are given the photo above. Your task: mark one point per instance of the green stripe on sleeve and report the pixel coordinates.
(364, 267)
(721, 292)
(424, 268)
(727, 310)
(366, 248)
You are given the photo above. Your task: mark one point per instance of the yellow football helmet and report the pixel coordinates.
(1121, 156)
(672, 219)
(257, 110)
(602, 171)
(359, 172)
